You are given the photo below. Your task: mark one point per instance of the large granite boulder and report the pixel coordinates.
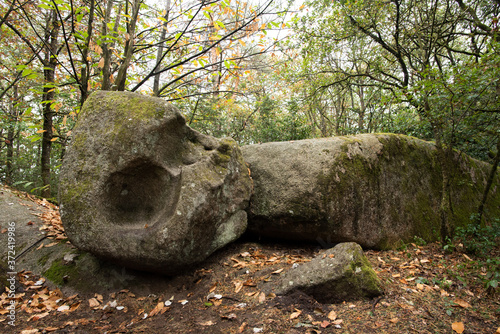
(338, 274)
(376, 190)
(141, 188)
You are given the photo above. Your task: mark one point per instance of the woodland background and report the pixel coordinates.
(255, 71)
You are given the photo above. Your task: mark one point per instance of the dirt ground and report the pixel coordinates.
(427, 290)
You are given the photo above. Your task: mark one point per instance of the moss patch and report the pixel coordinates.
(59, 272)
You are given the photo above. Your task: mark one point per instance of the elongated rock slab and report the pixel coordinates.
(141, 188)
(374, 189)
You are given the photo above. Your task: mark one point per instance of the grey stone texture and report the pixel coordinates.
(141, 188)
(373, 189)
(338, 274)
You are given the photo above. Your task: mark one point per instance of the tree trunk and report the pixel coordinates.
(488, 184)
(445, 209)
(156, 82)
(85, 71)
(129, 47)
(47, 98)
(106, 47)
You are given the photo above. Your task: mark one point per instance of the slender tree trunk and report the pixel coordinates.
(9, 143)
(491, 177)
(445, 209)
(85, 71)
(106, 46)
(156, 82)
(129, 47)
(47, 98)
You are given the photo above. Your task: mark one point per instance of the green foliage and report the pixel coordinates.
(478, 239)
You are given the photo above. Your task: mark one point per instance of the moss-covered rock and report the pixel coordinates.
(376, 190)
(141, 188)
(339, 274)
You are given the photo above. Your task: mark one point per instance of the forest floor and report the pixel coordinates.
(426, 290)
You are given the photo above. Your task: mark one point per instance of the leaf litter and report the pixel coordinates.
(426, 291)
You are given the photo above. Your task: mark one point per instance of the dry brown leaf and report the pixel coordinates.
(38, 316)
(338, 322)
(242, 327)
(207, 323)
(157, 309)
(394, 320)
(332, 315)
(498, 331)
(458, 327)
(93, 302)
(262, 297)
(238, 285)
(74, 306)
(461, 303)
(396, 275)
(325, 324)
(468, 258)
(295, 314)
(277, 271)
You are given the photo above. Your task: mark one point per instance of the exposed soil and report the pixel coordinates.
(427, 290)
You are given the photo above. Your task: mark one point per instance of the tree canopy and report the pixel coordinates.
(255, 71)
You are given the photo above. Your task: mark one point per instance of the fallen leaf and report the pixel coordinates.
(498, 331)
(242, 327)
(332, 315)
(458, 327)
(461, 303)
(99, 297)
(295, 314)
(38, 316)
(63, 308)
(157, 309)
(230, 316)
(468, 258)
(394, 320)
(238, 285)
(74, 307)
(277, 271)
(93, 302)
(325, 324)
(338, 322)
(207, 323)
(262, 297)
